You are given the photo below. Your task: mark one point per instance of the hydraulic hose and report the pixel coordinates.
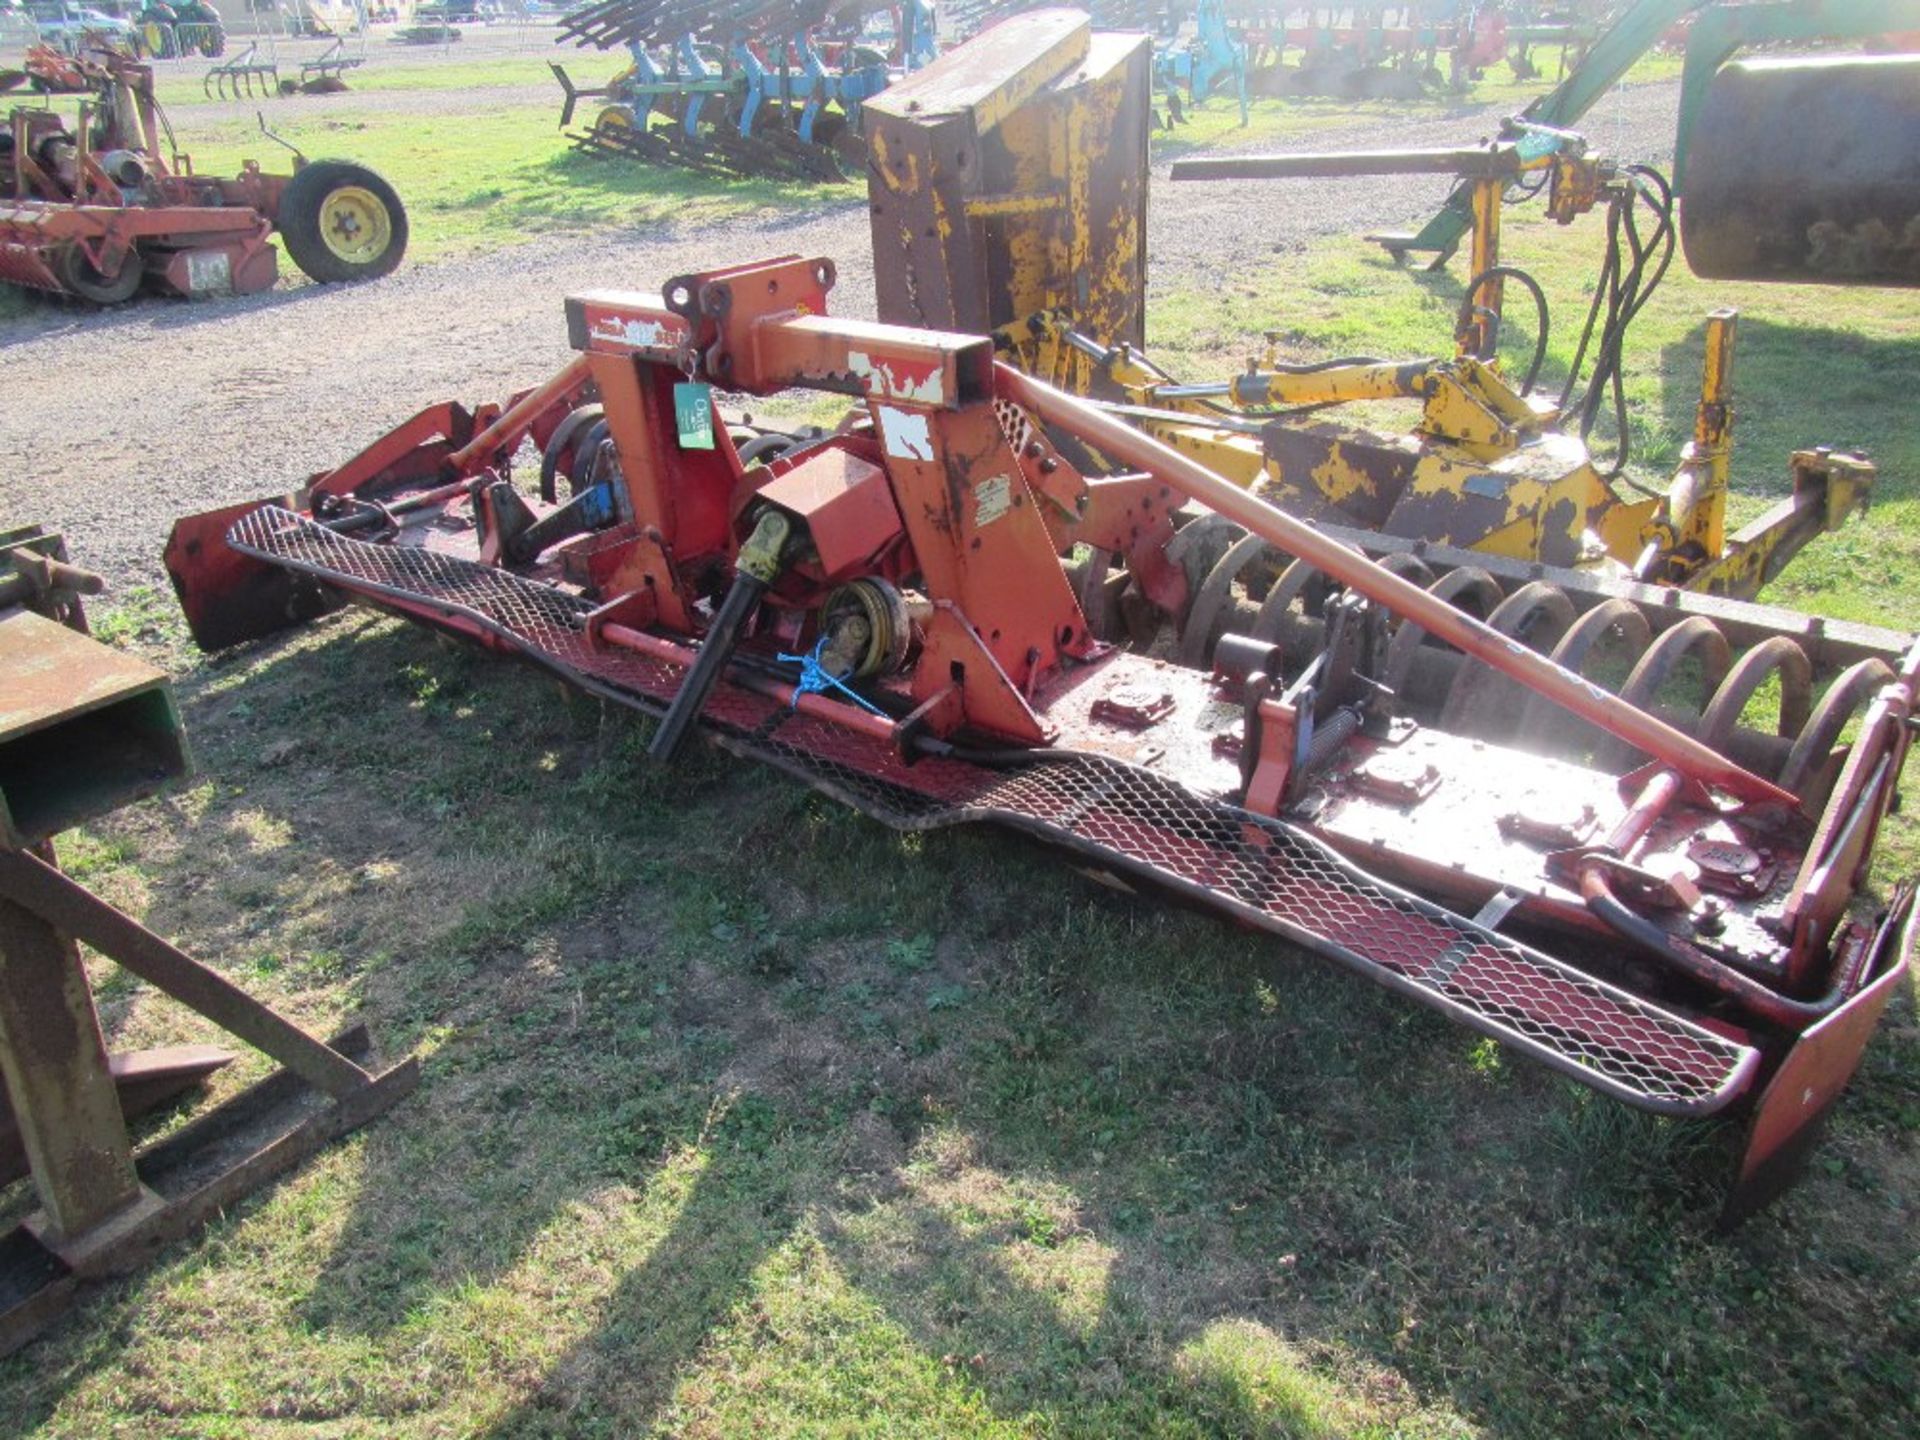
(1677, 954)
(1635, 264)
(1542, 324)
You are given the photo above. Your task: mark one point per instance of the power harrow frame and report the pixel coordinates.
(1665, 910)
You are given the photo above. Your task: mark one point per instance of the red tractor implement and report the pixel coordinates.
(93, 208)
(1658, 897)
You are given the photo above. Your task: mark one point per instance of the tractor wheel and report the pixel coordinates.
(342, 222)
(78, 274)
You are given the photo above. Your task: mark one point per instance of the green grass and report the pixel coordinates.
(182, 86)
(493, 175)
(494, 170)
(515, 178)
(494, 72)
(743, 1115)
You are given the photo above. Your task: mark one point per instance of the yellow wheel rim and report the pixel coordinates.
(614, 117)
(355, 225)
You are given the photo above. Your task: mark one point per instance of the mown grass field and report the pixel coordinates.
(490, 169)
(745, 1116)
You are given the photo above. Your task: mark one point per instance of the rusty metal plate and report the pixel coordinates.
(1496, 814)
(1792, 1110)
(846, 503)
(993, 74)
(84, 729)
(1010, 178)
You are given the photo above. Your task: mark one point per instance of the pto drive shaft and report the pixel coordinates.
(757, 568)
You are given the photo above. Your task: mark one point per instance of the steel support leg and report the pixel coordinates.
(55, 1063)
(105, 1210)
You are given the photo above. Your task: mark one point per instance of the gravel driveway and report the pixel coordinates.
(114, 423)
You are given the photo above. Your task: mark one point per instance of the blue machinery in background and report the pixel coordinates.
(776, 87)
(772, 89)
(1216, 59)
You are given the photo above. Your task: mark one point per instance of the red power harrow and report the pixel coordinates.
(1662, 906)
(93, 207)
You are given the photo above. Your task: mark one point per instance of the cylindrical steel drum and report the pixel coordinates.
(1806, 170)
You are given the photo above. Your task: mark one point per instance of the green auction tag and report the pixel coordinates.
(693, 414)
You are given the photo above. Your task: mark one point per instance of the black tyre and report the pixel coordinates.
(342, 222)
(78, 274)
(570, 451)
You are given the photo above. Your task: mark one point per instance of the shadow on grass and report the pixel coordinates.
(594, 177)
(1103, 1165)
(1796, 386)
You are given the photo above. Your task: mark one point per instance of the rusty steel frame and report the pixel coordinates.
(35, 574)
(105, 1207)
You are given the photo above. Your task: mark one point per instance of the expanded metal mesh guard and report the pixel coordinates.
(1257, 868)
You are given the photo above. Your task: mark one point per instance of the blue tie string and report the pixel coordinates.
(815, 679)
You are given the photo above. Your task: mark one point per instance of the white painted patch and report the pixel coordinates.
(906, 435)
(209, 272)
(1217, 715)
(641, 334)
(886, 382)
(992, 498)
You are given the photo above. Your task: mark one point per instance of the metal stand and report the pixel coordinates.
(83, 730)
(105, 1210)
